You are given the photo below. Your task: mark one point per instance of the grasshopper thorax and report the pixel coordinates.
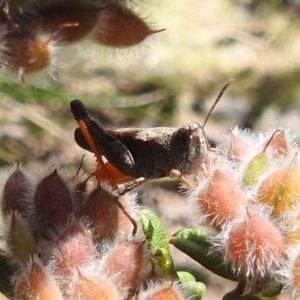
(188, 148)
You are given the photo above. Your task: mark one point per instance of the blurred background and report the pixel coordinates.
(172, 78)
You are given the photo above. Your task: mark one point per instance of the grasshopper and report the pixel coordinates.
(136, 155)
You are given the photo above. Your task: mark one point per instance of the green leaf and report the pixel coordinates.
(186, 277)
(194, 290)
(273, 290)
(196, 244)
(153, 230)
(158, 243)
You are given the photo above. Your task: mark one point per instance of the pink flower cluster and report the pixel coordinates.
(70, 240)
(248, 192)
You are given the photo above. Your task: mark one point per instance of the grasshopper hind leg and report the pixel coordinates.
(120, 191)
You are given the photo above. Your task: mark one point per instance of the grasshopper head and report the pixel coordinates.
(188, 148)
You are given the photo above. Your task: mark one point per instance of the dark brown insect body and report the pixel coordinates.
(136, 155)
(146, 153)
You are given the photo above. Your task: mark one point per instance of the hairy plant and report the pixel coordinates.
(35, 34)
(65, 237)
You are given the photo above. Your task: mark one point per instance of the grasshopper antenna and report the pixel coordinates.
(216, 101)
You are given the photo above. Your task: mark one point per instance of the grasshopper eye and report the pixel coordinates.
(184, 137)
(188, 148)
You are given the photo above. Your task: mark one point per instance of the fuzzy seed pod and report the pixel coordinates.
(24, 52)
(238, 148)
(254, 245)
(103, 213)
(221, 200)
(34, 34)
(93, 287)
(131, 261)
(52, 204)
(279, 144)
(280, 189)
(120, 27)
(36, 283)
(73, 249)
(16, 194)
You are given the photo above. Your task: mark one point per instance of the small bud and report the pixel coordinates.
(221, 200)
(102, 211)
(279, 144)
(119, 27)
(254, 245)
(36, 283)
(93, 287)
(280, 189)
(17, 193)
(25, 53)
(131, 261)
(52, 204)
(20, 241)
(238, 148)
(73, 249)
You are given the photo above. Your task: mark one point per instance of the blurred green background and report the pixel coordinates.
(171, 79)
